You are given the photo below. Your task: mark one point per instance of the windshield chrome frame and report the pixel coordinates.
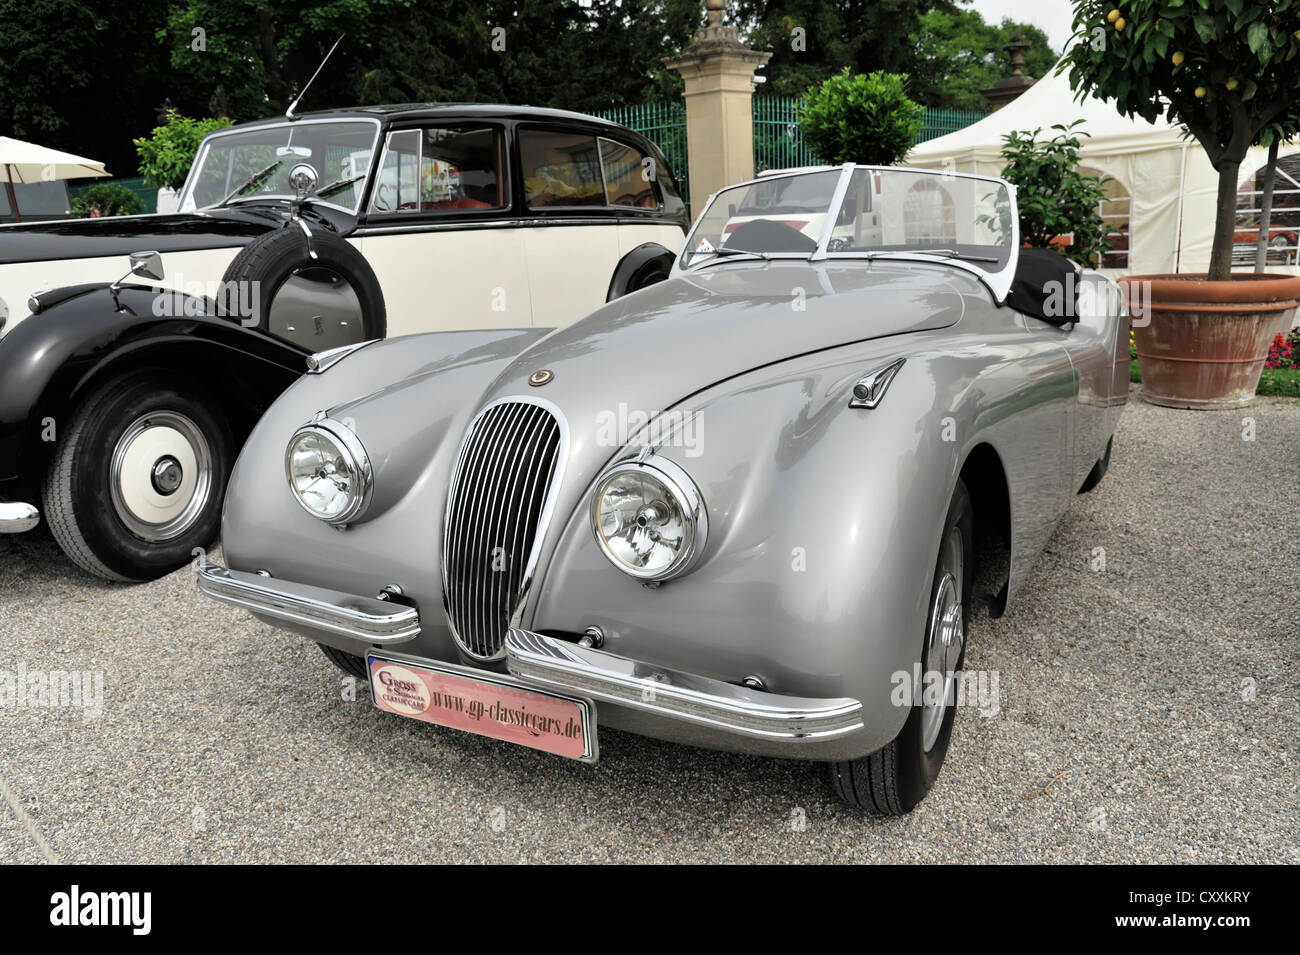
(998, 283)
(191, 178)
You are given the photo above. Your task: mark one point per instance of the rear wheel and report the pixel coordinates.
(892, 781)
(137, 479)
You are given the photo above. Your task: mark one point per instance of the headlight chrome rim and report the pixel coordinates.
(355, 457)
(686, 495)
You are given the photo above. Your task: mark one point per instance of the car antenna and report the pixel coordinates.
(288, 114)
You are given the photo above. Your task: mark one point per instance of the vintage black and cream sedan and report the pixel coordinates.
(743, 508)
(123, 408)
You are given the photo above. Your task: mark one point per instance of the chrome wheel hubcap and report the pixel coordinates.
(944, 642)
(160, 475)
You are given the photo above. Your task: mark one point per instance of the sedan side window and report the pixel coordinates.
(561, 169)
(630, 176)
(441, 169)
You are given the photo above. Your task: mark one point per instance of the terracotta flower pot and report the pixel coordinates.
(1206, 342)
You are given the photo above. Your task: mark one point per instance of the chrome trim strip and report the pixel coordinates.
(368, 619)
(524, 222)
(17, 517)
(557, 665)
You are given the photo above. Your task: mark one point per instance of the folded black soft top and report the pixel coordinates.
(1042, 274)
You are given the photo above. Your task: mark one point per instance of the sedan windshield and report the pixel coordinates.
(260, 159)
(883, 211)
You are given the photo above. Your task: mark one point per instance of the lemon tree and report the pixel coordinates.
(1224, 69)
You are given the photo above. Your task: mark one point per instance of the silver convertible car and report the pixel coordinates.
(742, 509)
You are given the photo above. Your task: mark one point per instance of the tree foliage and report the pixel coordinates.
(863, 118)
(167, 153)
(958, 54)
(1224, 69)
(1053, 198)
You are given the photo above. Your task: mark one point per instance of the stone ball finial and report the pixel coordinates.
(715, 8)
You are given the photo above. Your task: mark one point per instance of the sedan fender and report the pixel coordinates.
(49, 362)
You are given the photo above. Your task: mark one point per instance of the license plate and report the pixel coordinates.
(487, 705)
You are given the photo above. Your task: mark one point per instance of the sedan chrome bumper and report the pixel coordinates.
(707, 703)
(369, 619)
(15, 518)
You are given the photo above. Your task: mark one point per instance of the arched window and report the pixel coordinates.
(1116, 209)
(1283, 222)
(929, 215)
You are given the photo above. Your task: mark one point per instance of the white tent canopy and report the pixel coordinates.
(1170, 180)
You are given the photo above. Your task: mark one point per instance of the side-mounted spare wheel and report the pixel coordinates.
(138, 475)
(892, 781)
(319, 297)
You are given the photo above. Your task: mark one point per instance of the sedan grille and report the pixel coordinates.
(500, 492)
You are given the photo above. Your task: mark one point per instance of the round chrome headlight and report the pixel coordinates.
(329, 471)
(649, 518)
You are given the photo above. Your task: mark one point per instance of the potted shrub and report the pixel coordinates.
(1060, 207)
(1225, 70)
(864, 118)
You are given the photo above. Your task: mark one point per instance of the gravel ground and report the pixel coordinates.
(1122, 735)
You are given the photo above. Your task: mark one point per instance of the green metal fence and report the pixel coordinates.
(664, 124)
(778, 141)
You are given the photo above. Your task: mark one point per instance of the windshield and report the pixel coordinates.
(883, 210)
(338, 151)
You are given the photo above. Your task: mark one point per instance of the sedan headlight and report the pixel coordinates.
(329, 471)
(649, 518)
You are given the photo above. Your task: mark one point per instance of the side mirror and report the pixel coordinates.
(147, 265)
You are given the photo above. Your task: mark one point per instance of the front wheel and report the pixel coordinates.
(892, 781)
(137, 479)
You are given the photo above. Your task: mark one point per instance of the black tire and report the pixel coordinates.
(347, 662)
(652, 273)
(892, 781)
(1098, 470)
(88, 509)
(322, 302)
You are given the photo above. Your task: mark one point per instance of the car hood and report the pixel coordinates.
(648, 352)
(54, 240)
(656, 348)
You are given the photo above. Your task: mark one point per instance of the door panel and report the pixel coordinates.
(440, 280)
(569, 269)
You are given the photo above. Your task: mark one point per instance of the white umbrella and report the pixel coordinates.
(28, 162)
(22, 162)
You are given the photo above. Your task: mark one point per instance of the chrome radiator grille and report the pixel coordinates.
(507, 469)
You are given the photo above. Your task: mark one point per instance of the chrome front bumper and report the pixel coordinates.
(634, 695)
(372, 620)
(789, 723)
(16, 517)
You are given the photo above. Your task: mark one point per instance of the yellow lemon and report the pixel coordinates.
(1112, 16)
(1119, 25)
(1200, 92)
(1178, 58)
(1232, 83)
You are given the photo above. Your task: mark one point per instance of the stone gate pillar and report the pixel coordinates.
(718, 71)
